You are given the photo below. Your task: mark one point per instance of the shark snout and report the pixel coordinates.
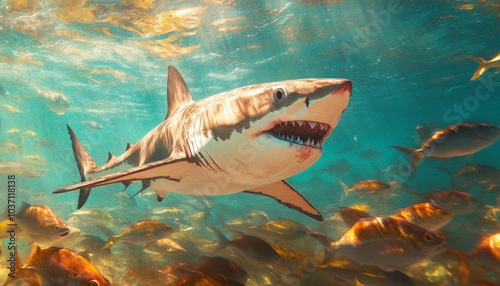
(345, 87)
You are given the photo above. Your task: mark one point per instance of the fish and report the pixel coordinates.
(251, 247)
(54, 100)
(357, 275)
(94, 244)
(221, 265)
(248, 139)
(200, 278)
(163, 246)
(280, 230)
(427, 215)
(54, 266)
(40, 224)
(473, 174)
(387, 242)
(487, 252)
(484, 65)
(457, 202)
(457, 140)
(139, 232)
(11, 108)
(351, 215)
(366, 189)
(92, 124)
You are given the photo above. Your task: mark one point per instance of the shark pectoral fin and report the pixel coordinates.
(170, 169)
(287, 195)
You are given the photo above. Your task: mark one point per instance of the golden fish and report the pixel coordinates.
(367, 189)
(351, 215)
(487, 253)
(387, 242)
(143, 231)
(426, 215)
(40, 223)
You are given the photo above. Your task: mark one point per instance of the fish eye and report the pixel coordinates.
(279, 95)
(428, 237)
(93, 283)
(56, 227)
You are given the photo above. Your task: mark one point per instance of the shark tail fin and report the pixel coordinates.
(483, 66)
(415, 157)
(84, 162)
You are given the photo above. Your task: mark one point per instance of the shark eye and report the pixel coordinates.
(279, 95)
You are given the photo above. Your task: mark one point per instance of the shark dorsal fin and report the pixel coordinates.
(129, 146)
(178, 94)
(110, 156)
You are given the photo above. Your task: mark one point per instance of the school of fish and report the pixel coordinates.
(366, 243)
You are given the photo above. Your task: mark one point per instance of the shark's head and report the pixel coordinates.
(276, 130)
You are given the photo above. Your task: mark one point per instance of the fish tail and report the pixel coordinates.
(223, 241)
(18, 264)
(345, 187)
(415, 157)
(110, 235)
(327, 242)
(84, 162)
(483, 66)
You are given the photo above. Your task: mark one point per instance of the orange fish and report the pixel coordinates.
(40, 224)
(426, 215)
(487, 253)
(367, 189)
(143, 231)
(54, 266)
(352, 215)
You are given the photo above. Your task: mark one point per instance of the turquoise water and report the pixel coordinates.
(408, 62)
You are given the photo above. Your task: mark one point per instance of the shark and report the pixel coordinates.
(248, 139)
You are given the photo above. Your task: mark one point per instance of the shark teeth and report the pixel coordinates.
(307, 133)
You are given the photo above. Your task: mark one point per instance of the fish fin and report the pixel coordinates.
(483, 66)
(170, 169)
(84, 162)
(415, 157)
(496, 58)
(109, 234)
(344, 187)
(223, 241)
(287, 195)
(178, 94)
(327, 242)
(22, 208)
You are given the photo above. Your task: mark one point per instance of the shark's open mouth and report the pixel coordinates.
(307, 133)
